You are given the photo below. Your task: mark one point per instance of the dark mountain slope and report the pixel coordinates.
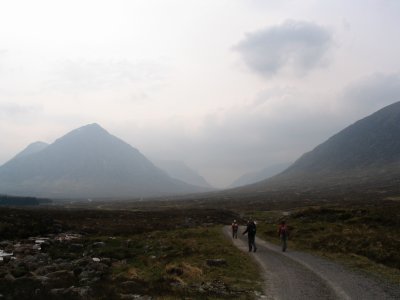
(372, 141)
(366, 152)
(88, 162)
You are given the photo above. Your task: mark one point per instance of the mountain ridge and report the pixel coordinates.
(88, 162)
(365, 152)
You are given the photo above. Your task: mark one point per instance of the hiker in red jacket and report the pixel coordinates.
(283, 233)
(235, 227)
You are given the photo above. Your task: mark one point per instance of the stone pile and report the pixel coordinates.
(27, 270)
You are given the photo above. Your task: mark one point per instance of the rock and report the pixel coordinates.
(45, 246)
(82, 262)
(60, 274)
(46, 269)
(133, 297)
(106, 261)
(98, 244)
(216, 262)
(7, 246)
(9, 277)
(58, 292)
(6, 259)
(76, 247)
(82, 292)
(31, 262)
(60, 279)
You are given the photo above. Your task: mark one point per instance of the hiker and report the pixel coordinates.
(235, 227)
(283, 233)
(251, 235)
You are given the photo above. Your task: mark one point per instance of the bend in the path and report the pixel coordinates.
(298, 275)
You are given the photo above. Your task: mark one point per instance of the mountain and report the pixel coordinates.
(88, 162)
(179, 170)
(366, 152)
(252, 177)
(31, 149)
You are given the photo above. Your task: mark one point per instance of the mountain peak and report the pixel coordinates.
(32, 149)
(85, 163)
(94, 127)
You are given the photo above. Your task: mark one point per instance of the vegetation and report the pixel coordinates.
(163, 248)
(365, 236)
(166, 254)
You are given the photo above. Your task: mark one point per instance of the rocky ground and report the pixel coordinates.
(100, 263)
(28, 270)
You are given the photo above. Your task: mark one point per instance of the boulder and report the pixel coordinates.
(216, 262)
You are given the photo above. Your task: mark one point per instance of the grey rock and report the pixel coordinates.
(216, 262)
(98, 244)
(9, 277)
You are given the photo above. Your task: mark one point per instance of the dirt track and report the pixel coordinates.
(297, 275)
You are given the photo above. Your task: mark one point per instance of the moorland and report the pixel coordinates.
(175, 248)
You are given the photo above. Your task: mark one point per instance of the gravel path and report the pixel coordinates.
(298, 275)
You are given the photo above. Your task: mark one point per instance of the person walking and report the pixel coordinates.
(283, 234)
(235, 227)
(251, 235)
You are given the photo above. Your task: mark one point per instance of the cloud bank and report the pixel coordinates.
(294, 45)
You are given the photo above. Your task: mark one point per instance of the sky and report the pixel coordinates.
(226, 86)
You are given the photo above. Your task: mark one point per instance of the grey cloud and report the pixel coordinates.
(299, 46)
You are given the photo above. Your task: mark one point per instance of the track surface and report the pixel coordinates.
(298, 275)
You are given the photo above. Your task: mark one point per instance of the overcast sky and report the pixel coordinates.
(227, 86)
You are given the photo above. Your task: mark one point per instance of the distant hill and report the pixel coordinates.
(364, 153)
(87, 163)
(8, 200)
(31, 149)
(179, 170)
(265, 173)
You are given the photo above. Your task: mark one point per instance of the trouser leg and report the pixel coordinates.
(284, 243)
(252, 243)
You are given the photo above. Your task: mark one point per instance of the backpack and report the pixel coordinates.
(283, 231)
(252, 228)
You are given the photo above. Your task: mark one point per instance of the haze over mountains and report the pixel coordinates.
(252, 177)
(366, 152)
(91, 163)
(87, 163)
(179, 170)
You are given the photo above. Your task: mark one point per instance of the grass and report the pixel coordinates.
(161, 248)
(173, 263)
(162, 253)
